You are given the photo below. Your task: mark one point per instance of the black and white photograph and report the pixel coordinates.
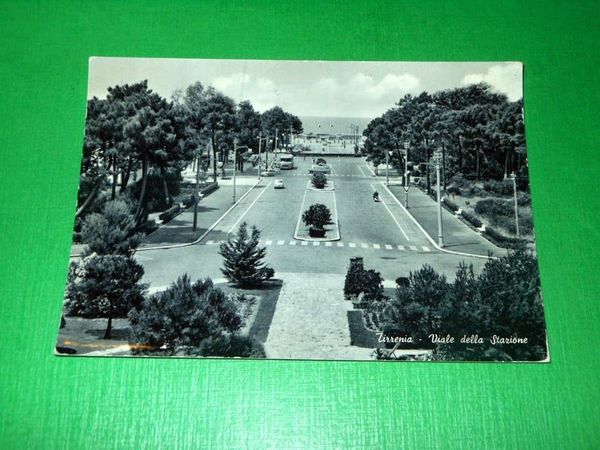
(309, 210)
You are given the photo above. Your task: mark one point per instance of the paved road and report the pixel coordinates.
(381, 232)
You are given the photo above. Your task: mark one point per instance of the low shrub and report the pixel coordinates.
(319, 180)
(493, 207)
(317, 215)
(504, 187)
(500, 239)
(359, 279)
(450, 205)
(471, 219)
(232, 345)
(524, 199)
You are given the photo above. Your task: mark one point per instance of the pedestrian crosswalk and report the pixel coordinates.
(336, 244)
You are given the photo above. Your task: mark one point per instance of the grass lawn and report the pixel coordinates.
(86, 335)
(82, 336)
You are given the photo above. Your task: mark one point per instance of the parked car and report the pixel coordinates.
(321, 162)
(320, 168)
(278, 184)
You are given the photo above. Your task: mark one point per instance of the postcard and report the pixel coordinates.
(309, 210)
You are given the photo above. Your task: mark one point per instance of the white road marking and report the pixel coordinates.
(268, 242)
(292, 242)
(340, 244)
(388, 247)
(413, 248)
(211, 242)
(363, 245)
(392, 215)
(316, 243)
(376, 246)
(401, 247)
(361, 171)
(280, 242)
(351, 245)
(426, 249)
(304, 243)
(248, 209)
(327, 244)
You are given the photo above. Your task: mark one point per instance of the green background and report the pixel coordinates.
(47, 401)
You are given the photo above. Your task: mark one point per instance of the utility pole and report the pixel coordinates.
(514, 179)
(234, 165)
(387, 168)
(291, 139)
(267, 151)
(275, 148)
(406, 186)
(439, 201)
(259, 146)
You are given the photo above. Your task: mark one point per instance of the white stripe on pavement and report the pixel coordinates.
(388, 247)
(280, 242)
(413, 248)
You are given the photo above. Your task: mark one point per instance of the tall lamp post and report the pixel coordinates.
(406, 186)
(437, 160)
(387, 168)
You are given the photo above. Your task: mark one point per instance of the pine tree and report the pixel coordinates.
(243, 259)
(104, 286)
(180, 318)
(111, 232)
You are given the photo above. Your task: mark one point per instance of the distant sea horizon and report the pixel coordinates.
(333, 125)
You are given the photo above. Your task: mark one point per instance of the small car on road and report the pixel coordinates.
(278, 184)
(320, 168)
(268, 173)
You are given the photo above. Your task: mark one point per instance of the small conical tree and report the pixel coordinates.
(243, 259)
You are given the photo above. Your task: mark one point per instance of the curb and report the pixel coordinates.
(437, 247)
(166, 247)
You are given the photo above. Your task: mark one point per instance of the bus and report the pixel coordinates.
(286, 161)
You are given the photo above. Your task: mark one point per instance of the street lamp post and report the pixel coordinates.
(234, 165)
(406, 186)
(439, 200)
(259, 147)
(387, 168)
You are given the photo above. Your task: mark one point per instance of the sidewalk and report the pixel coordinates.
(458, 236)
(310, 320)
(210, 209)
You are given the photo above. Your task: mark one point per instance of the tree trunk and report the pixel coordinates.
(214, 149)
(89, 199)
(478, 166)
(126, 174)
(115, 171)
(143, 190)
(163, 175)
(107, 334)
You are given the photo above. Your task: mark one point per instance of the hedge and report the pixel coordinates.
(169, 213)
(471, 219)
(450, 205)
(500, 238)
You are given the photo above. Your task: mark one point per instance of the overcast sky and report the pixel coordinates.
(314, 88)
